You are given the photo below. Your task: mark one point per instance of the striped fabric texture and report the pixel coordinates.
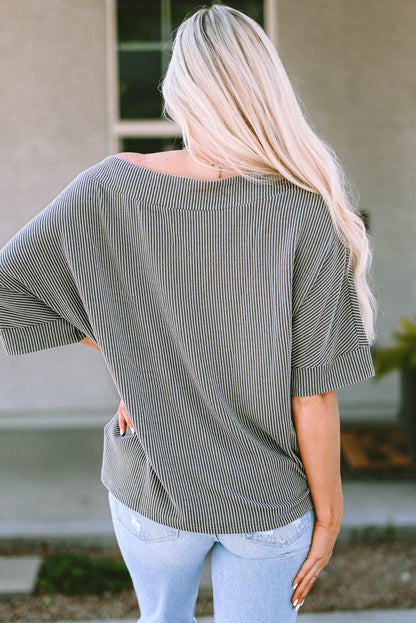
(212, 303)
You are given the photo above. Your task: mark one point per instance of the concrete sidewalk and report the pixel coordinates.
(369, 616)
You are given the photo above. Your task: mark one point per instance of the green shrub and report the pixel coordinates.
(401, 356)
(75, 574)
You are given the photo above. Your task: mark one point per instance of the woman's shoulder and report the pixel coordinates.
(133, 157)
(163, 161)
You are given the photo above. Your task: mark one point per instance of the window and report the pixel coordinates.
(139, 33)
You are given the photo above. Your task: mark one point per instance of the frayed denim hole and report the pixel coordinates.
(142, 527)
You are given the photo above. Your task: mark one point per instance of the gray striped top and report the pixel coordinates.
(212, 303)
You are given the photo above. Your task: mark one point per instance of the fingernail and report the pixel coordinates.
(295, 585)
(121, 432)
(295, 602)
(299, 605)
(132, 430)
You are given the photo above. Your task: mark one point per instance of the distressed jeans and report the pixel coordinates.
(252, 573)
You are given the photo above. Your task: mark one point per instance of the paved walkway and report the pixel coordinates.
(369, 616)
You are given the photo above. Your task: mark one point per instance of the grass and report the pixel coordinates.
(77, 574)
(374, 534)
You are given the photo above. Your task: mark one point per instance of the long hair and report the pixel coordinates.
(227, 89)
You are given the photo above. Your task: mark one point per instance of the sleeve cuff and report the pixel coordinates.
(23, 340)
(347, 369)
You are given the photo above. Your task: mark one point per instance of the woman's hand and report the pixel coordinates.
(124, 418)
(320, 552)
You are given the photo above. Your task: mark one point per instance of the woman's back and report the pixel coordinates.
(176, 162)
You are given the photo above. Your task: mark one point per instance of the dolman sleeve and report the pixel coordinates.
(40, 303)
(329, 344)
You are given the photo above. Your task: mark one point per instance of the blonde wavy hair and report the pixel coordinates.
(228, 91)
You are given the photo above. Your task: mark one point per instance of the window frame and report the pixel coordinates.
(150, 128)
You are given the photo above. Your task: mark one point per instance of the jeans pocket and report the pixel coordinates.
(142, 527)
(285, 534)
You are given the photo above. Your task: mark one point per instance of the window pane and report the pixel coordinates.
(138, 20)
(150, 145)
(253, 8)
(180, 9)
(141, 70)
(139, 75)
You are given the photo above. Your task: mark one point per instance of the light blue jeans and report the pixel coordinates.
(252, 573)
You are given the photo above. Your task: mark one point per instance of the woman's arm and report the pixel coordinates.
(316, 420)
(89, 342)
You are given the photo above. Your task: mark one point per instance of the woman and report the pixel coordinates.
(226, 287)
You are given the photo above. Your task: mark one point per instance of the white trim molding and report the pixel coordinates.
(112, 82)
(271, 22)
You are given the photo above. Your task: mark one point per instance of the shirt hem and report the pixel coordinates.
(349, 368)
(23, 340)
(267, 518)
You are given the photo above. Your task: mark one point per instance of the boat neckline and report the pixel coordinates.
(175, 191)
(184, 178)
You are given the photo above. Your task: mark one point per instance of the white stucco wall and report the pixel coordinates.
(53, 106)
(354, 67)
(353, 64)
